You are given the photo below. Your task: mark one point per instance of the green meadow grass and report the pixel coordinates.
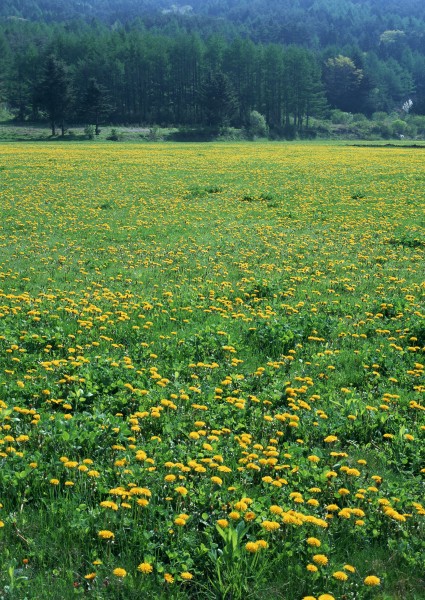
(211, 371)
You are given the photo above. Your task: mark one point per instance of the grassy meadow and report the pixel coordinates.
(212, 372)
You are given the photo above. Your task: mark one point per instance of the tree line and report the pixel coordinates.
(91, 72)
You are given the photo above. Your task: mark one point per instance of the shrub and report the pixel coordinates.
(257, 126)
(89, 132)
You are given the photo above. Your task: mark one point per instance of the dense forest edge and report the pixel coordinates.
(213, 69)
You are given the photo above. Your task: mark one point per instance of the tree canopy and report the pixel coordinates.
(149, 61)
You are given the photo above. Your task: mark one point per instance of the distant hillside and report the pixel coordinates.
(214, 62)
(313, 23)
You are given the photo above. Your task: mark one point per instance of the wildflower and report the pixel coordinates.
(270, 525)
(118, 572)
(105, 534)
(340, 575)
(54, 481)
(168, 578)
(216, 480)
(312, 541)
(326, 597)
(223, 523)
(311, 568)
(371, 580)
(234, 515)
(276, 510)
(186, 576)
(320, 559)
(90, 576)
(181, 490)
(145, 568)
(109, 504)
(251, 547)
(180, 522)
(309, 598)
(349, 568)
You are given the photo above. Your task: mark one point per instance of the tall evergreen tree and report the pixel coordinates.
(55, 93)
(96, 104)
(218, 99)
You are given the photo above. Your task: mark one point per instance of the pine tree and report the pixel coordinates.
(55, 92)
(96, 104)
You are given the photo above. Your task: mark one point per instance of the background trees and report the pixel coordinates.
(215, 65)
(54, 93)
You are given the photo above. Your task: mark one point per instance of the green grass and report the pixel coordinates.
(211, 311)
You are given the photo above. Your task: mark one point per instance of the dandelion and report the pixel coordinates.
(251, 547)
(118, 572)
(105, 534)
(371, 580)
(311, 568)
(168, 578)
(313, 458)
(349, 568)
(145, 568)
(90, 576)
(312, 541)
(223, 523)
(320, 559)
(340, 575)
(270, 525)
(186, 576)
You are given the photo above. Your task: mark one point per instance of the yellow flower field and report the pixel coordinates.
(212, 371)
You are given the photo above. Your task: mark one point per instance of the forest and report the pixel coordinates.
(212, 63)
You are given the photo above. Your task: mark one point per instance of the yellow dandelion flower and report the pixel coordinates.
(371, 580)
(105, 534)
(251, 547)
(270, 525)
(320, 559)
(145, 568)
(312, 541)
(118, 572)
(349, 568)
(340, 575)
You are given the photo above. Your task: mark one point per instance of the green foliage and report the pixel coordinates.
(89, 132)
(257, 126)
(204, 349)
